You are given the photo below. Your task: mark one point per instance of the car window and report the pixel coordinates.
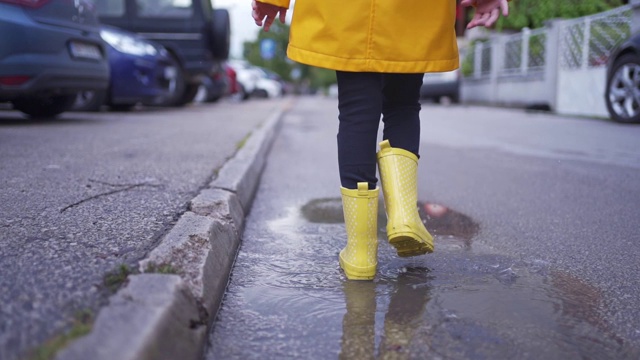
(165, 8)
(111, 7)
(75, 13)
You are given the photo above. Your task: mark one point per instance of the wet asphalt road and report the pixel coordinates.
(537, 247)
(86, 193)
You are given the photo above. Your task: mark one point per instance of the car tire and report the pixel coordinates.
(175, 87)
(243, 94)
(212, 99)
(211, 96)
(189, 94)
(623, 107)
(261, 94)
(44, 106)
(90, 100)
(221, 34)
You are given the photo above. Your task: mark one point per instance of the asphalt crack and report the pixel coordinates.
(121, 188)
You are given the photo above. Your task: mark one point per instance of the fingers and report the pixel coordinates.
(484, 18)
(257, 16)
(504, 5)
(488, 18)
(268, 22)
(479, 19)
(473, 21)
(264, 14)
(493, 17)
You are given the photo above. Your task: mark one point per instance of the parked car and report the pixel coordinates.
(247, 77)
(284, 86)
(196, 35)
(439, 84)
(216, 85)
(622, 94)
(267, 86)
(222, 83)
(141, 72)
(54, 51)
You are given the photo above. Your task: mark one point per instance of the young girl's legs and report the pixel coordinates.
(360, 105)
(362, 99)
(398, 164)
(360, 102)
(401, 110)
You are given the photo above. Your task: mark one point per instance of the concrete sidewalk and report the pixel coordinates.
(165, 311)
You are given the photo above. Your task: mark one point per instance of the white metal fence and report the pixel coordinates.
(562, 66)
(587, 42)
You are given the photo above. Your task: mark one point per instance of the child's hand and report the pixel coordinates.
(262, 10)
(487, 11)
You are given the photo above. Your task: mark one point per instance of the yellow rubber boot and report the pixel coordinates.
(399, 178)
(359, 258)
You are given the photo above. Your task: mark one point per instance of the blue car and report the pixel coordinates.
(141, 72)
(49, 51)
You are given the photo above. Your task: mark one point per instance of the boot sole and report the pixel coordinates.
(353, 272)
(409, 244)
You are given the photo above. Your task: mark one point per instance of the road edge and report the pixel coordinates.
(166, 311)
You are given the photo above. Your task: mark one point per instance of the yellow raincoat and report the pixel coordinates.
(391, 36)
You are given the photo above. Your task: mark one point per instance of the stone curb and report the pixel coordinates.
(164, 316)
(153, 317)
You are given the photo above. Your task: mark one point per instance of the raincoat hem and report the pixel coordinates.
(370, 65)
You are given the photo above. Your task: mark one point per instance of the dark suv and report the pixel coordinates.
(196, 35)
(50, 50)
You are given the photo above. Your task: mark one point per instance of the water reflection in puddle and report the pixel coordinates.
(440, 220)
(288, 298)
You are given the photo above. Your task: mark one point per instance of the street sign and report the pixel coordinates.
(267, 49)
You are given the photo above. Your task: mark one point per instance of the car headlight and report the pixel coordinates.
(127, 44)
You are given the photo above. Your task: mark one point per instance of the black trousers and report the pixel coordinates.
(362, 99)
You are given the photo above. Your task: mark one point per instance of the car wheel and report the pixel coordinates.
(44, 106)
(221, 34)
(243, 94)
(190, 92)
(211, 93)
(175, 85)
(212, 99)
(261, 94)
(623, 90)
(89, 100)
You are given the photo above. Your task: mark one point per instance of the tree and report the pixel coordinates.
(279, 64)
(534, 13)
(310, 76)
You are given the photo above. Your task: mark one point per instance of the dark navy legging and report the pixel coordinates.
(362, 99)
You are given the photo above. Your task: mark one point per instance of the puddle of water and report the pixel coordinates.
(288, 298)
(440, 220)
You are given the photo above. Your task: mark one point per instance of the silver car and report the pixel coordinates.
(437, 85)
